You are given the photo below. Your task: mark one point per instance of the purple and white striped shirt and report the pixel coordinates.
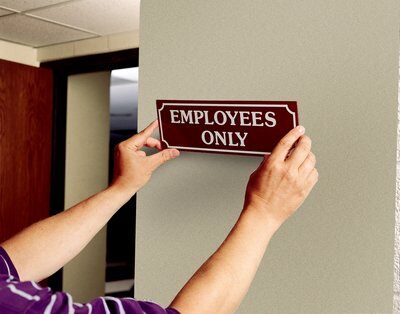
(28, 297)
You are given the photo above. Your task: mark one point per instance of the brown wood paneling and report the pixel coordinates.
(25, 145)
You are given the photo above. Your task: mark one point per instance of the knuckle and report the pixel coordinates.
(275, 167)
(291, 175)
(266, 158)
(119, 146)
(166, 155)
(311, 162)
(270, 161)
(303, 193)
(305, 143)
(306, 139)
(308, 166)
(285, 142)
(304, 148)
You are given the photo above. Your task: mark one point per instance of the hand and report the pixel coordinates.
(132, 168)
(281, 183)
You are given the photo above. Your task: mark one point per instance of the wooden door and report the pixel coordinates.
(25, 145)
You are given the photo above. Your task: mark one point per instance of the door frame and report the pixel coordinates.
(61, 70)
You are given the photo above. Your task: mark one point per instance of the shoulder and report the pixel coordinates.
(29, 297)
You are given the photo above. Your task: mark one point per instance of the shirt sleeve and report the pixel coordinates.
(29, 297)
(6, 265)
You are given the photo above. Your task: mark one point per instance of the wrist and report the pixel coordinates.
(122, 190)
(263, 215)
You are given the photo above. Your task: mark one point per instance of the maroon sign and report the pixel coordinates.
(236, 127)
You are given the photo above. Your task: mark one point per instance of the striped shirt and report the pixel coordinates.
(28, 297)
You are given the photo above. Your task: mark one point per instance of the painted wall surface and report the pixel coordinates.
(339, 60)
(396, 285)
(86, 173)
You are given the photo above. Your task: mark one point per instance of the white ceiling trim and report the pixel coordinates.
(18, 53)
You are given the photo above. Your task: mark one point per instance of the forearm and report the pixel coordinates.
(274, 192)
(46, 246)
(223, 280)
(43, 248)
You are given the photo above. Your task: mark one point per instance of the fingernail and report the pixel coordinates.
(301, 129)
(175, 153)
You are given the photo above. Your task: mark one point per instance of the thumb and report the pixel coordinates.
(161, 157)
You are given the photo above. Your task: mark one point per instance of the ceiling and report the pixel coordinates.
(39, 23)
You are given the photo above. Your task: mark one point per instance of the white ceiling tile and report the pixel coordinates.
(23, 5)
(5, 12)
(99, 16)
(33, 32)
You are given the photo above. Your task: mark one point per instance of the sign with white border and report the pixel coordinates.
(225, 126)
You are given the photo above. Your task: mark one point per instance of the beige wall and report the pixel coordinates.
(86, 173)
(339, 60)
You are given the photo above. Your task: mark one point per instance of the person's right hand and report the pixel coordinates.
(132, 168)
(281, 183)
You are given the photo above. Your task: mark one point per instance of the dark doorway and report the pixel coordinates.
(120, 271)
(61, 70)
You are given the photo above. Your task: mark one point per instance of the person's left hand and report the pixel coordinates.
(132, 168)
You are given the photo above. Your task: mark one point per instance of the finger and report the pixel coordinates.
(312, 178)
(137, 141)
(290, 151)
(162, 157)
(300, 152)
(285, 144)
(153, 143)
(308, 165)
(141, 153)
(264, 162)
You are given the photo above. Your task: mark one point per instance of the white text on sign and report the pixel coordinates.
(232, 118)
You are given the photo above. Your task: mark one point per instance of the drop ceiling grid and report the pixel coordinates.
(4, 12)
(102, 17)
(47, 22)
(34, 32)
(25, 5)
